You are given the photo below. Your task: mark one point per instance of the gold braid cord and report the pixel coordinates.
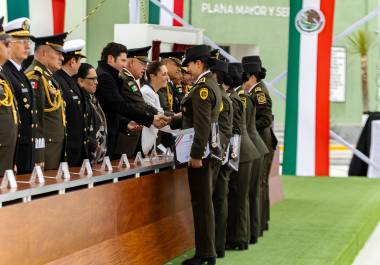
(8, 99)
(170, 97)
(57, 101)
(93, 11)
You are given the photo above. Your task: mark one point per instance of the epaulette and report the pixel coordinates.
(202, 80)
(258, 89)
(38, 69)
(241, 92)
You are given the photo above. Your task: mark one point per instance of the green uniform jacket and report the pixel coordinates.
(200, 107)
(225, 120)
(251, 126)
(128, 142)
(9, 121)
(264, 116)
(166, 97)
(248, 151)
(51, 114)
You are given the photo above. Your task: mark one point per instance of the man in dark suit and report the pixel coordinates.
(75, 127)
(27, 150)
(118, 112)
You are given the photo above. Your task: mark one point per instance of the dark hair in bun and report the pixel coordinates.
(83, 70)
(263, 73)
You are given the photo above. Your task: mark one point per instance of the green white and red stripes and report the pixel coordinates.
(160, 16)
(307, 105)
(47, 16)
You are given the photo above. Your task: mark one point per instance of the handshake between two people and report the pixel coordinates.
(159, 121)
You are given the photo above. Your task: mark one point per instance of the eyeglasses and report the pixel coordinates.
(22, 41)
(6, 43)
(92, 78)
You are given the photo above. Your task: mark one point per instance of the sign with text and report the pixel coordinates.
(246, 10)
(338, 74)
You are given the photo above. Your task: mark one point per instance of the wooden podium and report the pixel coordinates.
(104, 219)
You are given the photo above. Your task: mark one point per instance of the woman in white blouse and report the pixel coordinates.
(157, 77)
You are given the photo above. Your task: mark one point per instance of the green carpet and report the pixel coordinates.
(322, 221)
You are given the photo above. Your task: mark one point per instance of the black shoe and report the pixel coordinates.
(243, 246)
(253, 240)
(200, 261)
(220, 254)
(237, 246)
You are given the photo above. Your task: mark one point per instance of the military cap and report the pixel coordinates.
(252, 67)
(216, 64)
(196, 52)
(19, 27)
(217, 55)
(175, 56)
(251, 59)
(234, 74)
(238, 67)
(54, 41)
(74, 48)
(3, 35)
(139, 53)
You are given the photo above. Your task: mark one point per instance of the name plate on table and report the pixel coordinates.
(9, 180)
(37, 176)
(106, 165)
(183, 141)
(124, 162)
(86, 169)
(63, 171)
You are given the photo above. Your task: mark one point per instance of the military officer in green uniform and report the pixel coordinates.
(129, 142)
(9, 117)
(171, 95)
(219, 68)
(49, 100)
(264, 124)
(238, 218)
(200, 110)
(251, 70)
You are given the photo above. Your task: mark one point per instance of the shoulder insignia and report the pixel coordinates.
(244, 101)
(258, 89)
(261, 98)
(34, 84)
(202, 80)
(38, 69)
(203, 93)
(132, 86)
(221, 107)
(241, 92)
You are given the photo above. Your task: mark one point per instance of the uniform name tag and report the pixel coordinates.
(24, 90)
(75, 97)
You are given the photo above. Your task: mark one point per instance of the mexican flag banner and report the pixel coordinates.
(160, 16)
(47, 16)
(307, 105)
